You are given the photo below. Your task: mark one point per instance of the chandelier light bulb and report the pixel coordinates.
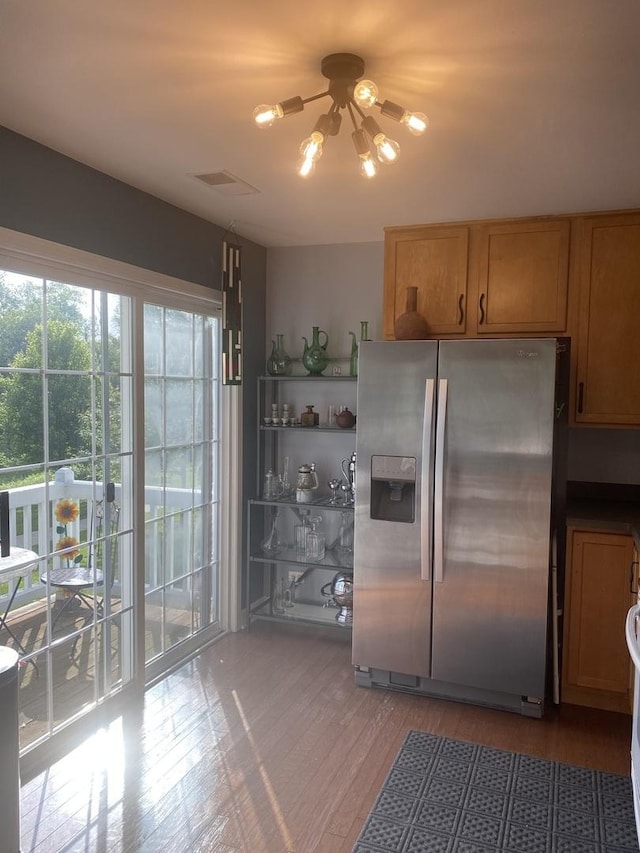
(365, 93)
(416, 123)
(265, 115)
(368, 167)
(311, 147)
(305, 166)
(388, 149)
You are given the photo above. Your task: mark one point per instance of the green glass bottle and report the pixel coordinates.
(353, 361)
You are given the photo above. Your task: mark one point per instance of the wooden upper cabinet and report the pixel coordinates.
(433, 259)
(608, 359)
(523, 274)
(493, 278)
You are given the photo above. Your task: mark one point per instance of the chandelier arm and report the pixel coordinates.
(315, 97)
(360, 113)
(350, 108)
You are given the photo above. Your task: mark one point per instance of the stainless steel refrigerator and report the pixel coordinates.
(459, 487)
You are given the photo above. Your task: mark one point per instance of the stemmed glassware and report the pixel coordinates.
(334, 485)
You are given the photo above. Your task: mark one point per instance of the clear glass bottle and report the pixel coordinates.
(278, 602)
(279, 362)
(285, 482)
(345, 533)
(315, 541)
(271, 542)
(300, 532)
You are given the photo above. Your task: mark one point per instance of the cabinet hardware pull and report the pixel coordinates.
(632, 577)
(481, 308)
(580, 397)
(460, 309)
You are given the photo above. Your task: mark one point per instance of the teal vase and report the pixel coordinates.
(314, 356)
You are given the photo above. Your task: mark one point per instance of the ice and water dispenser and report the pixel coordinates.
(393, 488)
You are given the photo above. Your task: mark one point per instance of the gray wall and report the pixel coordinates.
(48, 195)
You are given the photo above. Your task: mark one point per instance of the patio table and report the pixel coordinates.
(16, 565)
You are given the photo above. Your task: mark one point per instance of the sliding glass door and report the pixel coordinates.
(86, 427)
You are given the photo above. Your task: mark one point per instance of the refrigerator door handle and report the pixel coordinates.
(438, 496)
(425, 472)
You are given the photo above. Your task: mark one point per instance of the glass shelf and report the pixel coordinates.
(292, 503)
(319, 428)
(329, 377)
(333, 559)
(315, 614)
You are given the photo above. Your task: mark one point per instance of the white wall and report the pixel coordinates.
(337, 286)
(334, 287)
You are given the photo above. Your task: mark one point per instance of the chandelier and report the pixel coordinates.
(353, 95)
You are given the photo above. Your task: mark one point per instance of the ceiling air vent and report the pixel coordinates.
(225, 183)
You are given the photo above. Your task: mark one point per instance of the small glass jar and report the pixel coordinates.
(309, 418)
(272, 487)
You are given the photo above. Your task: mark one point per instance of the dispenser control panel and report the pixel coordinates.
(401, 468)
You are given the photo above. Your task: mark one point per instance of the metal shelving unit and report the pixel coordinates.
(266, 569)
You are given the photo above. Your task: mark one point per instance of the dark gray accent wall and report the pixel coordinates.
(48, 195)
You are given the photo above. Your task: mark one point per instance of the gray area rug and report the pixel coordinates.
(449, 796)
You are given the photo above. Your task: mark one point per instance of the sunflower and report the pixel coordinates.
(67, 511)
(69, 545)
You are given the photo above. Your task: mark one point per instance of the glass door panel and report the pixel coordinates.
(66, 454)
(181, 451)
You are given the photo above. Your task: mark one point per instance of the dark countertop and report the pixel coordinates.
(606, 508)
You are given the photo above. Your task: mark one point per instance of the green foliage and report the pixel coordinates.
(63, 395)
(68, 397)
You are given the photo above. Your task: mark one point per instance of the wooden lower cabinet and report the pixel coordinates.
(596, 668)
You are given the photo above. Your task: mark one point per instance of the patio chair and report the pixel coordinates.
(86, 584)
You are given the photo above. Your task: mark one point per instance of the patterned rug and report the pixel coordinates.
(448, 796)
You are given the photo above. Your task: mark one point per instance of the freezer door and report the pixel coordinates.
(392, 551)
(495, 445)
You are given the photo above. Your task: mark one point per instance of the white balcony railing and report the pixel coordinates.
(32, 525)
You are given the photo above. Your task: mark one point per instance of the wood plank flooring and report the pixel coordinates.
(264, 743)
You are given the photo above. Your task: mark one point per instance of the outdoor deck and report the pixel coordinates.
(79, 664)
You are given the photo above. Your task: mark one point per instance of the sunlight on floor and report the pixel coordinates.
(280, 821)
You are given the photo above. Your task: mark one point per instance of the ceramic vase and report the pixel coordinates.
(411, 326)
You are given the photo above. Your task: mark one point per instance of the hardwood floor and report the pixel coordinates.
(264, 743)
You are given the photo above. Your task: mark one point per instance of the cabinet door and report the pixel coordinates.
(435, 261)
(596, 664)
(608, 390)
(523, 273)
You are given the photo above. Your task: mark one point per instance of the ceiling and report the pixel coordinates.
(534, 105)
